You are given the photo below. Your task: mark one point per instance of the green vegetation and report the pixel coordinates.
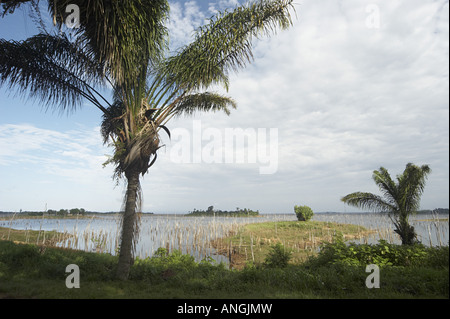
(59, 213)
(26, 271)
(48, 238)
(434, 211)
(304, 213)
(48, 213)
(337, 271)
(65, 212)
(56, 214)
(253, 242)
(382, 254)
(278, 257)
(220, 213)
(400, 200)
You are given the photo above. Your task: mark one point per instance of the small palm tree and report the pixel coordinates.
(399, 199)
(121, 43)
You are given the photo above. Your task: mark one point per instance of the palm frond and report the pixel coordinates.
(204, 102)
(386, 185)
(51, 69)
(411, 185)
(9, 6)
(166, 130)
(368, 201)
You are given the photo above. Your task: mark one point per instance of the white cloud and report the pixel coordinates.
(221, 5)
(185, 18)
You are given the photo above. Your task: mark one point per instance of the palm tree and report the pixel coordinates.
(149, 88)
(399, 200)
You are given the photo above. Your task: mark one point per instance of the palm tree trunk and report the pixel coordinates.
(407, 234)
(405, 230)
(128, 227)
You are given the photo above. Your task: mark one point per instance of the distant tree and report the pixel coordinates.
(399, 199)
(74, 211)
(62, 212)
(304, 213)
(217, 212)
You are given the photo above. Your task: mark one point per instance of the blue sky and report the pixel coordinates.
(352, 86)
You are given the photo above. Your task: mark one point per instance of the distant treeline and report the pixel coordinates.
(61, 212)
(436, 211)
(212, 212)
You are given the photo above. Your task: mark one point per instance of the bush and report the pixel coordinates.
(304, 213)
(278, 257)
(50, 263)
(19, 257)
(381, 254)
(438, 257)
(175, 265)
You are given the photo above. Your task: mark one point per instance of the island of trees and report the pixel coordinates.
(56, 213)
(239, 212)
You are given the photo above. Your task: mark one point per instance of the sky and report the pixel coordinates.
(351, 87)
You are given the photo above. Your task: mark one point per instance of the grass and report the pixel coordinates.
(40, 237)
(252, 242)
(30, 270)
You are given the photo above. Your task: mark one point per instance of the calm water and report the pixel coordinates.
(193, 235)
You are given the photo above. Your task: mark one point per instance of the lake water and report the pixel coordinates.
(193, 235)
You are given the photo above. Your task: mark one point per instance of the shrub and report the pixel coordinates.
(278, 257)
(304, 213)
(438, 257)
(19, 257)
(381, 254)
(165, 265)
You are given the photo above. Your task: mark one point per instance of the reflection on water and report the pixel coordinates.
(193, 235)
